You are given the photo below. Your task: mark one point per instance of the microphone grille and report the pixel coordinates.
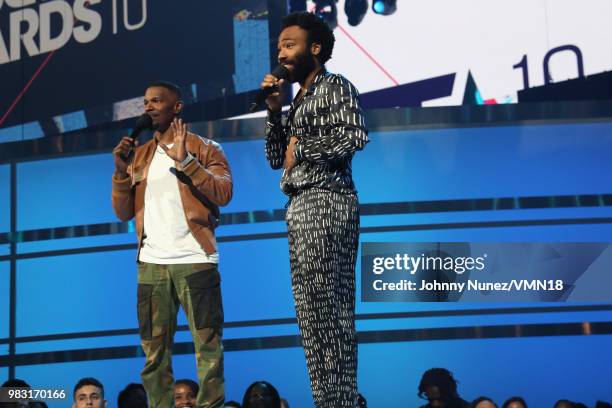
(281, 72)
(144, 122)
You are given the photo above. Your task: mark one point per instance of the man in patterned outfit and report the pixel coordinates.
(315, 146)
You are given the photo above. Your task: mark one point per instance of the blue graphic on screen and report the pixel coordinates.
(251, 43)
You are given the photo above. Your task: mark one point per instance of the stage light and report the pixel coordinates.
(384, 7)
(327, 10)
(355, 10)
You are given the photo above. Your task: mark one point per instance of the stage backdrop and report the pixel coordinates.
(438, 49)
(70, 64)
(72, 311)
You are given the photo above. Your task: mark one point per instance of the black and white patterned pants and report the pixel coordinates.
(323, 231)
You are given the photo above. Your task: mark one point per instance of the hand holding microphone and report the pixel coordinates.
(123, 152)
(271, 90)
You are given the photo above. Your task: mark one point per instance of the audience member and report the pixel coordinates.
(88, 393)
(132, 396)
(261, 394)
(439, 388)
(515, 402)
(185, 393)
(483, 402)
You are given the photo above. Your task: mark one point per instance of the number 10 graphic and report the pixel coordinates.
(522, 64)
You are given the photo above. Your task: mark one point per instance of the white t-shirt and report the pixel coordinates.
(168, 239)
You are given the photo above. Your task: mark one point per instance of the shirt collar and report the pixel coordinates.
(318, 78)
(322, 73)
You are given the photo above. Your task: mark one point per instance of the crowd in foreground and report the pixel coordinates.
(437, 387)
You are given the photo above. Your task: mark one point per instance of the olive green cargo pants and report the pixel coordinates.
(197, 288)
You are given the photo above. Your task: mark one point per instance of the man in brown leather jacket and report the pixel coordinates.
(173, 185)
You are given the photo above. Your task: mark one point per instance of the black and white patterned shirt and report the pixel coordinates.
(328, 123)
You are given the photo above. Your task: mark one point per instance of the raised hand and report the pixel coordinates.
(178, 151)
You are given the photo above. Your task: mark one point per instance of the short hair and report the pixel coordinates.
(441, 378)
(15, 383)
(318, 31)
(481, 399)
(195, 388)
(88, 381)
(132, 396)
(174, 88)
(273, 391)
(514, 399)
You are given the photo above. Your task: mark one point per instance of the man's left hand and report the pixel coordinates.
(178, 151)
(290, 160)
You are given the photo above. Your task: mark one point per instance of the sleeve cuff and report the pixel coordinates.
(191, 167)
(187, 160)
(122, 184)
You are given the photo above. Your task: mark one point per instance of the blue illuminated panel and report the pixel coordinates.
(470, 219)
(75, 293)
(4, 299)
(27, 131)
(256, 185)
(77, 343)
(256, 280)
(389, 373)
(485, 162)
(251, 53)
(79, 242)
(5, 198)
(445, 320)
(64, 192)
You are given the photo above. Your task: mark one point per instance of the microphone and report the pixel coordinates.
(280, 72)
(143, 123)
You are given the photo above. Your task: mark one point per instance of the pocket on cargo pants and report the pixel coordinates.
(145, 325)
(205, 294)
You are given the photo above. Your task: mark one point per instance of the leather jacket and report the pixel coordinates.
(205, 184)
